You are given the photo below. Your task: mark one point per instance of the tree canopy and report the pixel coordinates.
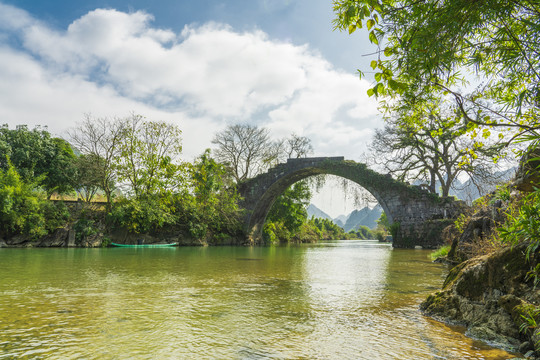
(432, 147)
(38, 157)
(432, 46)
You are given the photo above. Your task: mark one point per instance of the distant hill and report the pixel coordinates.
(363, 217)
(468, 191)
(341, 220)
(314, 211)
(366, 217)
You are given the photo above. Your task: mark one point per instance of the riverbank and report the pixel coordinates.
(88, 225)
(492, 289)
(493, 296)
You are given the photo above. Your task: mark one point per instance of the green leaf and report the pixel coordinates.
(388, 51)
(373, 64)
(352, 28)
(373, 38)
(370, 23)
(370, 92)
(378, 76)
(380, 88)
(393, 84)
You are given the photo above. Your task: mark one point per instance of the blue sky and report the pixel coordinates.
(200, 64)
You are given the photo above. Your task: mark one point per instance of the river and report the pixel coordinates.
(335, 300)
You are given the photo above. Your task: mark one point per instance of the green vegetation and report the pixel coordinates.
(524, 224)
(287, 220)
(440, 252)
(24, 209)
(133, 162)
(136, 166)
(427, 49)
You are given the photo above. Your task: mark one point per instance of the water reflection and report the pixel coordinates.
(341, 300)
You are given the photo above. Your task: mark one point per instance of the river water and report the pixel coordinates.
(336, 300)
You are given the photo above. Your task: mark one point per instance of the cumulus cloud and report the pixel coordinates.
(110, 62)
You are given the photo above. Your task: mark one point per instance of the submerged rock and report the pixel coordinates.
(488, 294)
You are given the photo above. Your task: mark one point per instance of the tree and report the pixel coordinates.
(290, 207)
(216, 199)
(20, 206)
(101, 137)
(431, 147)
(61, 168)
(298, 146)
(24, 149)
(89, 175)
(148, 150)
(428, 47)
(38, 157)
(246, 149)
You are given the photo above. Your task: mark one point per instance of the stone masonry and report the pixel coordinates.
(419, 216)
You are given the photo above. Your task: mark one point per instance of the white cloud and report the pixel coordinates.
(110, 63)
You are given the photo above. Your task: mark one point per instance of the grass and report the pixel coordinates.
(440, 252)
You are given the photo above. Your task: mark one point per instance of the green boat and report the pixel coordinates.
(143, 245)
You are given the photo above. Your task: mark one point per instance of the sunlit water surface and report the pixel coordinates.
(337, 300)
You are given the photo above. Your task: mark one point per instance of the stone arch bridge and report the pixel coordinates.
(419, 216)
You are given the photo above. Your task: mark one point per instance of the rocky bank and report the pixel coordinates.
(491, 295)
(496, 295)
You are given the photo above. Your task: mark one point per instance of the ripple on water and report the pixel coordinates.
(348, 300)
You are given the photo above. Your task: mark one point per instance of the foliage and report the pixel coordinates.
(84, 228)
(363, 233)
(143, 214)
(440, 252)
(215, 205)
(529, 316)
(37, 156)
(524, 226)
(313, 230)
(290, 206)
(147, 154)
(56, 214)
(430, 47)
(25, 150)
(394, 228)
(380, 234)
(383, 221)
(502, 193)
(275, 233)
(461, 222)
(328, 230)
(430, 144)
(89, 175)
(20, 206)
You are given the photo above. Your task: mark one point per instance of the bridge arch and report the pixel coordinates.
(410, 206)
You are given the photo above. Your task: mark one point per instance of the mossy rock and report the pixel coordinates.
(486, 294)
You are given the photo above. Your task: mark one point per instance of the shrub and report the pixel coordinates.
(143, 214)
(524, 224)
